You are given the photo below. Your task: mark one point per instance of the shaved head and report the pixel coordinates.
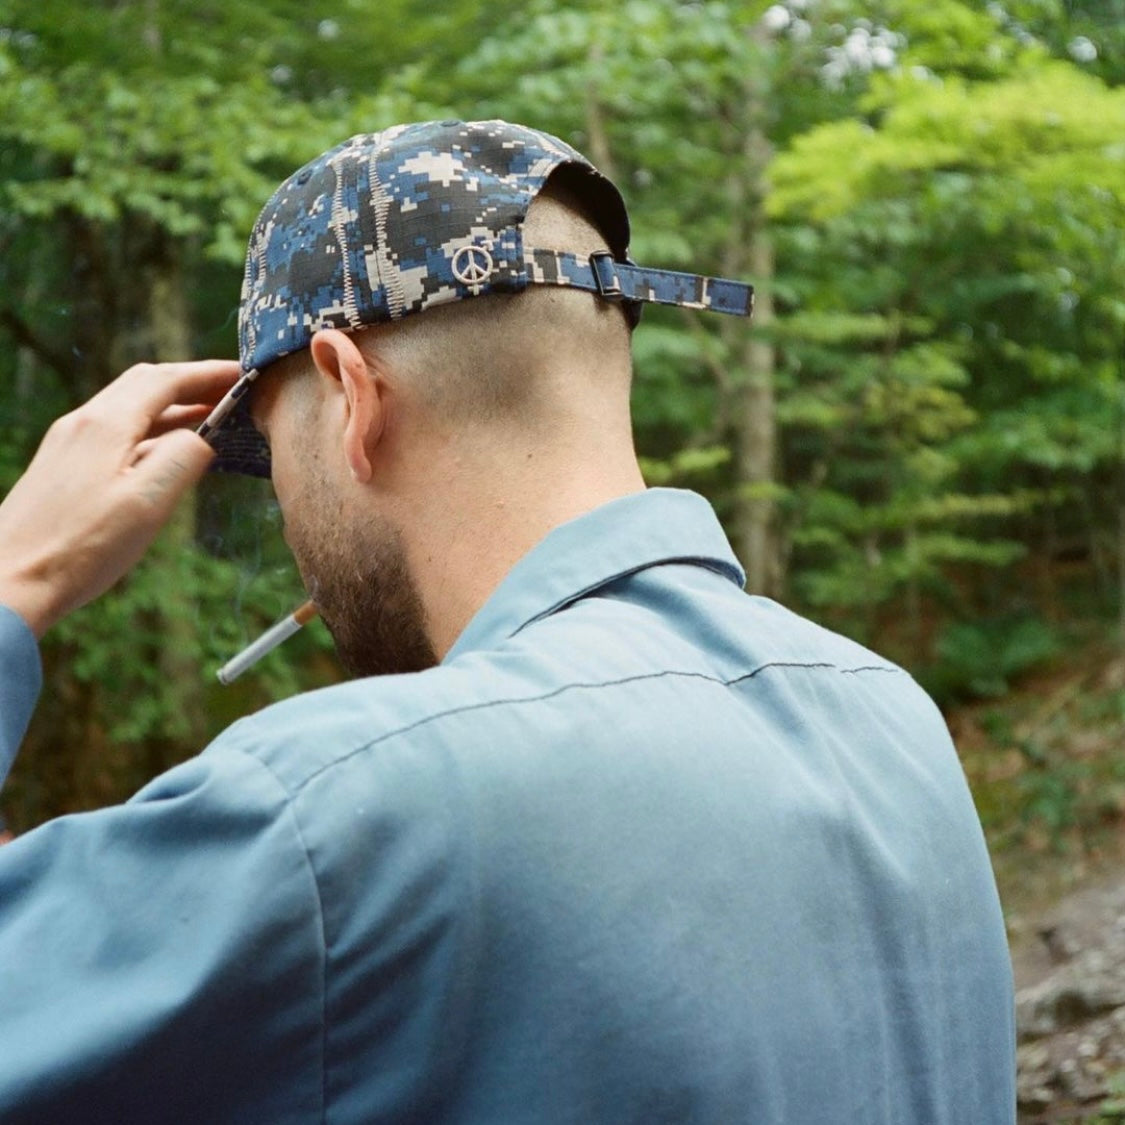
(493, 358)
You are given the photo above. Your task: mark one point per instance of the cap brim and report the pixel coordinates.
(239, 448)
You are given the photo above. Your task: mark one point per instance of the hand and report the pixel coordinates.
(104, 481)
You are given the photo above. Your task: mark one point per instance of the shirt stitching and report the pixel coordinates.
(465, 708)
(468, 707)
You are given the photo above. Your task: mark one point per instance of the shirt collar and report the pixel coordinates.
(659, 525)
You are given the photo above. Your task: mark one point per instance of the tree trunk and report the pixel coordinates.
(94, 304)
(755, 520)
(755, 529)
(165, 336)
(596, 134)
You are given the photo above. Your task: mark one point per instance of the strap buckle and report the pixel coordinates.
(604, 269)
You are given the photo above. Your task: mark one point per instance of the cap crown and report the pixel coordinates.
(391, 223)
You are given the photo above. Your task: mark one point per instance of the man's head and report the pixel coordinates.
(358, 421)
(404, 441)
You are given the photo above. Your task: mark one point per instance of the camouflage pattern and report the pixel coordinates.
(389, 224)
(637, 284)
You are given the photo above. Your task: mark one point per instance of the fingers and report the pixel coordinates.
(176, 417)
(139, 398)
(104, 480)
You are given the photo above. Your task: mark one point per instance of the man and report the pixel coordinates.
(607, 841)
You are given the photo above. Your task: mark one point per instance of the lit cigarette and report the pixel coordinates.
(267, 642)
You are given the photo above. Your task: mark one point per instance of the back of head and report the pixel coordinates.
(431, 216)
(519, 358)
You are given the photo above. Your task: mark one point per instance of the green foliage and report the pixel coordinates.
(1043, 757)
(1048, 130)
(982, 659)
(140, 616)
(982, 202)
(688, 468)
(1112, 1108)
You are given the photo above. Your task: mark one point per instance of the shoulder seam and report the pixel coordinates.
(579, 686)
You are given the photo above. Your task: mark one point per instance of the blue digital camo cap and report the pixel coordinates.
(389, 224)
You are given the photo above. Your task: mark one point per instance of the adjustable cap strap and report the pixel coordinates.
(624, 281)
(226, 404)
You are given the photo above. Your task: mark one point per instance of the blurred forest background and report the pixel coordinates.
(919, 441)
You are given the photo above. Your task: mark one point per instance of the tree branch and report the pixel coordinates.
(23, 335)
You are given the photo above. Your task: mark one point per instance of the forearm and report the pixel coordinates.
(21, 677)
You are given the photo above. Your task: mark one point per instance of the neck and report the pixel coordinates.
(474, 505)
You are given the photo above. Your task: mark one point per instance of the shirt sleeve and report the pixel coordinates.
(21, 677)
(164, 960)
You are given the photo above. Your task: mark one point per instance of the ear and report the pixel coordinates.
(338, 359)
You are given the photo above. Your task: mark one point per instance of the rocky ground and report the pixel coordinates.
(1070, 1007)
(1048, 775)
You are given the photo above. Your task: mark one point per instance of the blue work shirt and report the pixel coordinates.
(642, 849)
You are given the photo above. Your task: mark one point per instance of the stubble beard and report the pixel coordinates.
(357, 574)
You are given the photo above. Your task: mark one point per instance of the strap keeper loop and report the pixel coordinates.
(604, 269)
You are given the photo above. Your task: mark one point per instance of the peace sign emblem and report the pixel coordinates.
(472, 266)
